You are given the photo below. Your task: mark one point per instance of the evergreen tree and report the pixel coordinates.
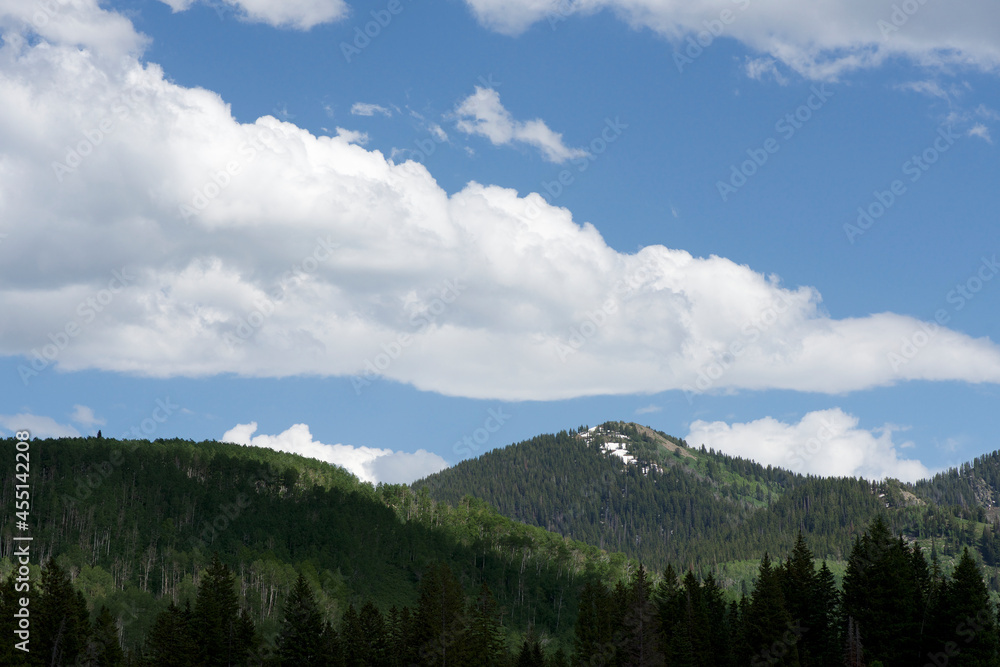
(104, 649)
(217, 618)
(968, 606)
(439, 618)
(641, 646)
(824, 633)
(300, 639)
(769, 639)
(798, 585)
(171, 642)
(8, 624)
(881, 594)
(373, 635)
(593, 629)
(530, 654)
(62, 622)
(482, 641)
(719, 651)
(350, 636)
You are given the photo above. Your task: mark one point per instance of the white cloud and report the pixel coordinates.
(362, 109)
(38, 426)
(352, 136)
(820, 40)
(482, 113)
(826, 443)
(298, 14)
(927, 87)
(438, 132)
(367, 463)
(981, 131)
(761, 68)
(247, 280)
(85, 417)
(649, 409)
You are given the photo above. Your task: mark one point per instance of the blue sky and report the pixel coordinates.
(779, 242)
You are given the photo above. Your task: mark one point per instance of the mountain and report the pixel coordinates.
(136, 524)
(626, 487)
(530, 543)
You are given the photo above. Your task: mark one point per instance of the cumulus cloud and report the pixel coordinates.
(352, 136)
(38, 426)
(85, 416)
(818, 40)
(482, 113)
(362, 109)
(149, 232)
(298, 14)
(826, 443)
(369, 464)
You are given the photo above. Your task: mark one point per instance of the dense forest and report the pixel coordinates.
(135, 524)
(699, 508)
(895, 609)
(172, 552)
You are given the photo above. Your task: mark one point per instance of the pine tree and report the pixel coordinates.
(373, 635)
(103, 649)
(881, 595)
(62, 626)
(439, 619)
(767, 624)
(593, 630)
(824, 633)
(968, 606)
(530, 654)
(300, 638)
(641, 647)
(170, 642)
(8, 624)
(216, 617)
(482, 641)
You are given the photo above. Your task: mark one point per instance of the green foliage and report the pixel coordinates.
(138, 524)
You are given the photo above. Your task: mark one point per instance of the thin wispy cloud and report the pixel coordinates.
(362, 109)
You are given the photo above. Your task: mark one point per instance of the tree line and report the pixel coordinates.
(895, 608)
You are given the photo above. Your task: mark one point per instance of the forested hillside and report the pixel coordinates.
(135, 525)
(144, 542)
(668, 502)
